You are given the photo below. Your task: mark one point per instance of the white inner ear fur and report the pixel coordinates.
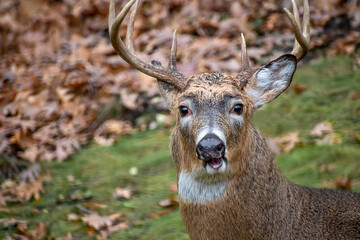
(271, 80)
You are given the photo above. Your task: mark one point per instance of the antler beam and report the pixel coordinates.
(169, 75)
(302, 38)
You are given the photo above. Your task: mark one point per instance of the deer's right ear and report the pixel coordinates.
(168, 92)
(271, 80)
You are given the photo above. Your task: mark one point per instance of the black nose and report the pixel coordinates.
(210, 147)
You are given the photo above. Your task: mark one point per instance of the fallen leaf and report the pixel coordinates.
(288, 141)
(94, 205)
(357, 138)
(72, 217)
(96, 221)
(26, 190)
(115, 216)
(8, 222)
(169, 202)
(39, 232)
(343, 183)
(298, 89)
(321, 129)
(30, 174)
(118, 227)
(170, 205)
(121, 193)
(128, 99)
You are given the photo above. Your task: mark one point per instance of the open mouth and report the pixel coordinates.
(216, 163)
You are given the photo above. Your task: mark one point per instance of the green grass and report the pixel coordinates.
(97, 170)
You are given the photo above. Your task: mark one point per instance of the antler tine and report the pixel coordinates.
(172, 61)
(306, 21)
(130, 28)
(158, 72)
(112, 15)
(296, 12)
(244, 57)
(302, 38)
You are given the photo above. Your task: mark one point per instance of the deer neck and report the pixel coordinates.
(255, 170)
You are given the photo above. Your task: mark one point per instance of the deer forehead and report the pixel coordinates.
(212, 88)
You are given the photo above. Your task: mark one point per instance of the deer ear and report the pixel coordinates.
(271, 80)
(168, 92)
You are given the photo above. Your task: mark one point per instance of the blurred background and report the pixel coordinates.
(84, 137)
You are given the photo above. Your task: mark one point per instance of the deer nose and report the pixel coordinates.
(210, 147)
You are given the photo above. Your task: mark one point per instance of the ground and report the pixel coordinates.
(326, 90)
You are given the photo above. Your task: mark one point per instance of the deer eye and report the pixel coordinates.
(237, 109)
(184, 111)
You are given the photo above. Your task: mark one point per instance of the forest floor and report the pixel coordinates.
(118, 191)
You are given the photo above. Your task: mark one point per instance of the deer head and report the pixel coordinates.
(213, 110)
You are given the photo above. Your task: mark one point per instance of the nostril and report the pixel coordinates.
(220, 147)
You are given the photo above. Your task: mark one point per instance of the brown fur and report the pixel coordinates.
(259, 202)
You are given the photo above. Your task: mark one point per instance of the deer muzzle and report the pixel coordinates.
(212, 150)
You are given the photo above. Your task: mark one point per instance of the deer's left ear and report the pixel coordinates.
(271, 80)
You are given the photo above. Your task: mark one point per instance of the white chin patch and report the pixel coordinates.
(198, 191)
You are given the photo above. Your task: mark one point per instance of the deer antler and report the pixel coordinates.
(169, 75)
(244, 57)
(302, 39)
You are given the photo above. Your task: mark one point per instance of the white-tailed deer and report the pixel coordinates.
(229, 185)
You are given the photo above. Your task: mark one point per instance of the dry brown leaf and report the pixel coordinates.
(94, 205)
(96, 221)
(288, 141)
(170, 205)
(8, 222)
(66, 147)
(271, 22)
(357, 137)
(298, 89)
(68, 237)
(123, 193)
(118, 227)
(73, 217)
(31, 153)
(26, 190)
(128, 99)
(39, 232)
(169, 202)
(30, 174)
(321, 129)
(104, 141)
(115, 216)
(343, 183)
